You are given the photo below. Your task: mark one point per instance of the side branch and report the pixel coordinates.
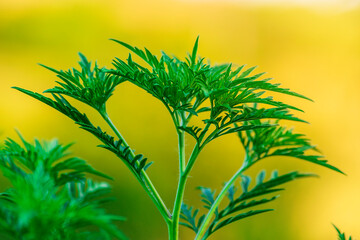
(215, 205)
(146, 183)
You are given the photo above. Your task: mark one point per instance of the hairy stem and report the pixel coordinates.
(146, 183)
(215, 205)
(184, 170)
(177, 207)
(182, 163)
(181, 184)
(180, 194)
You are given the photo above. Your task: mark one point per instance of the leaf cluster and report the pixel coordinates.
(90, 85)
(275, 141)
(191, 87)
(237, 206)
(50, 197)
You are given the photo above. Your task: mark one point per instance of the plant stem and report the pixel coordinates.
(180, 194)
(184, 170)
(170, 231)
(182, 163)
(146, 183)
(215, 205)
(181, 183)
(177, 207)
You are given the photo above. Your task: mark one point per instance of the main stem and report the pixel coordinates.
(184, 170)
(147, 184)
(181, 187)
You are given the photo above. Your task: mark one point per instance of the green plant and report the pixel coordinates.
(341, 236)
(50, 197)
(226, 99)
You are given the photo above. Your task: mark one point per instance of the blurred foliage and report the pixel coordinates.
(50, 197)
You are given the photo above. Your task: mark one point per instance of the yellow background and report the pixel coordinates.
(314, 50)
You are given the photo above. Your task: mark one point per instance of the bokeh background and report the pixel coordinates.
(312, 47)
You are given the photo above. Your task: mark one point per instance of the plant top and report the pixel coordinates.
(227, 100)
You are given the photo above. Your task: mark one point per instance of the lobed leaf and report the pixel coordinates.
(277, 140)
(234, 211)
(92, 86)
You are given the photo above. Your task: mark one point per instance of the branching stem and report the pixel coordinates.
(180, 193)
(185, 170)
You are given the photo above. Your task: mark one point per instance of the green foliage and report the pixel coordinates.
(278, 141)
(188, 88)
(341, 236)
(136, 163)
(51, 156)
(249, 198)
(89, 85)
(50, 197)
(119, 147)
(224, 98)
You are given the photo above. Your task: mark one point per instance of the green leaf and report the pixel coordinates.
(238, 217)
(92, 86)
(249, 198)
(341, 236)
(147, 57)
(260, 143)
(189, 215)
(118, 147)
(194, 51)
(247, 72)
(59, 103)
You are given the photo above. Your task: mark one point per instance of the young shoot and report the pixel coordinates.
(226, 100)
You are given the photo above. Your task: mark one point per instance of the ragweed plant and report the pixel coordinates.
(227, 100)
(50, 197)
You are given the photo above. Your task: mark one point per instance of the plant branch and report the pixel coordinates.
(205, 223)
(146, 183)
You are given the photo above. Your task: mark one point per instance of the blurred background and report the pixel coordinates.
(311, 47)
